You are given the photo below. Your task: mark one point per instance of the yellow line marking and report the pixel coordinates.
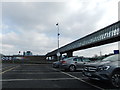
(9, 69)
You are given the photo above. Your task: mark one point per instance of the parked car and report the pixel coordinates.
(56, 64)
(107, 69)
(73, 63)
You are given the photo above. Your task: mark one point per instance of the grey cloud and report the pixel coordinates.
(30, 14)
(33, 41)
(31, 25)
(81, 24)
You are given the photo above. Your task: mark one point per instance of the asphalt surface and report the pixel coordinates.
(45, 76)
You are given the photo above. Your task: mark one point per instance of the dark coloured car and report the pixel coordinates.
(73, 63)
(56, 64)
(107, 69)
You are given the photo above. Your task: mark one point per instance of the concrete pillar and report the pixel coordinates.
(70, 54)
(54, 57)
(49, 57)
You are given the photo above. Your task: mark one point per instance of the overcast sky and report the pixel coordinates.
(31, 26)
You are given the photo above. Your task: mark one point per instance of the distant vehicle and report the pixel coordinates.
(56, 64)
(107, 69)
(73, 63)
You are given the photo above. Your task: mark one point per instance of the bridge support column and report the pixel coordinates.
(54, 57)
(70, 54)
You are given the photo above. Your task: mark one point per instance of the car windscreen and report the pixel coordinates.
(86, 60)
(70, 58)
(112, 58)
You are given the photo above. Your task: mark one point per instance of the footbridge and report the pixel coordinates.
(108, 34)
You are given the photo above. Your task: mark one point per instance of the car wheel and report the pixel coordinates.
(72, 68)
(115, 79)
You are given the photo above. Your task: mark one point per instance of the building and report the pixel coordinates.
(27, 53)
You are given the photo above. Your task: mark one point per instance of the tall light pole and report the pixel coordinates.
(58, 34)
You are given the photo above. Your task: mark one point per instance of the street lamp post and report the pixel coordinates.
(58, 34)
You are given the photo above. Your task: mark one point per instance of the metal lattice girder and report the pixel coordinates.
(105, 35)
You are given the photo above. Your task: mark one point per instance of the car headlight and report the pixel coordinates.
(101, 68)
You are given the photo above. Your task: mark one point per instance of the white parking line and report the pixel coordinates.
(81, 80)
(31, 64)
(36, 73)
(72, 77)
(6, 80)
(29, 70)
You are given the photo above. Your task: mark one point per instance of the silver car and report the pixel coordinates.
(108, 69)
(73, 63)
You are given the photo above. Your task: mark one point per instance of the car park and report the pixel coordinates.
(73, 63)
(108, 69)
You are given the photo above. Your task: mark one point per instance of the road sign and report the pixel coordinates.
(58, 54)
